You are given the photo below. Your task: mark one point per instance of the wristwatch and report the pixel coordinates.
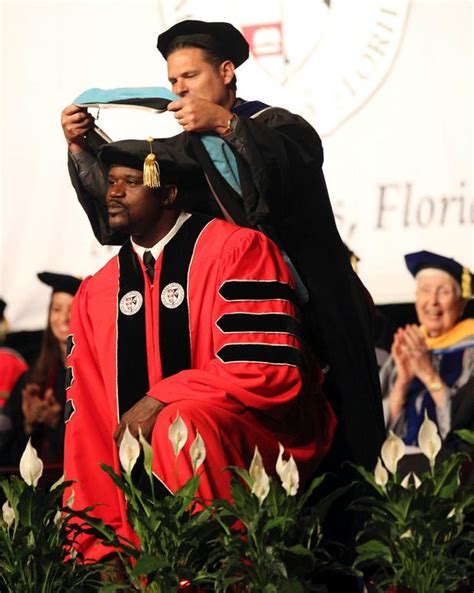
(230, 125)
(435, 385)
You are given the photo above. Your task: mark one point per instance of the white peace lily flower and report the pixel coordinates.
(380, 474)
(288, 472)
(8, 514)
(261, 485)
(281, 463)
(392, 451)
(429, 440)
(404, 482)
(31, 466)
(408, 533)
(451, 513)
(129, 451)
(417, 480)
(290, 477)
(178, 434)
(256, 465)
(197, 452)
(147, 452)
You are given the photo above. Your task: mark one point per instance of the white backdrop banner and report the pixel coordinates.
(387, 84)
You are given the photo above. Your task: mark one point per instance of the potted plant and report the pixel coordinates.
(36, 536)
(418, 536)
(174, 539)
(265, 541)
(279, 546)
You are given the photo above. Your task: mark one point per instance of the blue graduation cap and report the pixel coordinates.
(420, 260)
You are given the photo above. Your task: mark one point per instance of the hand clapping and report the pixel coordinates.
(39, 408)
(411, 355)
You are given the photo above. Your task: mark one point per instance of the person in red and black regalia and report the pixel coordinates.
(194, 316)
(12, 366)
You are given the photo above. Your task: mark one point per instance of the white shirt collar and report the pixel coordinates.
(158, 247)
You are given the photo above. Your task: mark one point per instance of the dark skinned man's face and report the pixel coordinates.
(132, 207)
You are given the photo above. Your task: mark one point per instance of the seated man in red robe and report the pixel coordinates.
(194, 316)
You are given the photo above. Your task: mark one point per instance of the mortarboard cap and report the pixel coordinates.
(420, 260)
(60, 282)
(222, 38)
(168, 161)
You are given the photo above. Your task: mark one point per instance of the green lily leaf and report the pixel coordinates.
(300, 550)
(466, 435)
(373, 550)
(148, 564)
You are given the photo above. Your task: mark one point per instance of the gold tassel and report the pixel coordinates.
(466, 291)
(151, 169)
(354, 260)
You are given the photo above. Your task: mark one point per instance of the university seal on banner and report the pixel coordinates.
(323, 59)
(131, 302)
(172, 295)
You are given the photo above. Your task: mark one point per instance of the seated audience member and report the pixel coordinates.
(36, 405)
(431, 366)
(12, 366)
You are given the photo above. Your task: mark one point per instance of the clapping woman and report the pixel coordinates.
(36, 405)
(431, 365)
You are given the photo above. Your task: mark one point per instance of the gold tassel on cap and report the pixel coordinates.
(354, 264)
(151, 169)
(466, 291)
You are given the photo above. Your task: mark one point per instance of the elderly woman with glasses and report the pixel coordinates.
(431, 367)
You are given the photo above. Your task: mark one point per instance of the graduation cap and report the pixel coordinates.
(60, 282)
(156, 158)
(426, 259)
(222, 38)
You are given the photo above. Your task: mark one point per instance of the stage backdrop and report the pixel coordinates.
(387, 83)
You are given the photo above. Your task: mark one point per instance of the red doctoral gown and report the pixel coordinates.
(217, 339)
